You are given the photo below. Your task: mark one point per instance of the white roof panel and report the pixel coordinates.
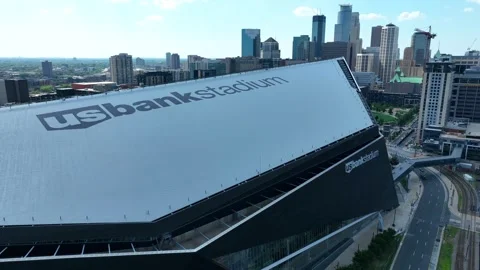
(112, 158)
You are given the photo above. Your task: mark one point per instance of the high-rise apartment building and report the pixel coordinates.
(420, 48)
(270, 49)
(318, 33)
(121, 69)
(464, 101)
(376, 36)
(436, 93)
(251, 42)
(388, 52)
(344, 24)
(168, 59)
(14, 91)
(339, 49)
(47, 69)
(175, 61)
(376, 58)
(365, 62)
(301, 46)
(139, 62)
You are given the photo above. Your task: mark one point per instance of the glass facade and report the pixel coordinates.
(421, 48)
(344, 24)
(318, 33)
(251, 42)
(300, 47)
(261, 256)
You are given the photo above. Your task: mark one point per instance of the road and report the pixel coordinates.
(416, 250)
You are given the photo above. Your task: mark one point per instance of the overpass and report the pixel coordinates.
(409, 164)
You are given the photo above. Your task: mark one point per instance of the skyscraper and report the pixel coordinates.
(270, 49)
(318, 33)
(421, 48)
(121, 68)
(175, 61)
(436, 93)
(376, 58)
(365, 62)
(251, 43)
(388, 52)
(355, 37)
(344, 24)
(47, 69)
(300, 50)
(376, 36)
(168, 58)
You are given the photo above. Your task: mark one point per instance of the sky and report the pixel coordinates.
(212, 28)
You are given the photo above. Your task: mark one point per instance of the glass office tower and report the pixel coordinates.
(251, 42)
(344, 24)
(318, 33)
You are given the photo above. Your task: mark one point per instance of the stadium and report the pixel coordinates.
(243, 171)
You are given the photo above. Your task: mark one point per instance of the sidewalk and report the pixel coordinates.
(456, 218)
(401, 214)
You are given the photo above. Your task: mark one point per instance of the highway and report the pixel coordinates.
(416, 250)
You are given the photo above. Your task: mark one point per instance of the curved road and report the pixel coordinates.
(416, 250)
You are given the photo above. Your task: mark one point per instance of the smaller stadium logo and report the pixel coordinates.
(349, 166)
(77, 118)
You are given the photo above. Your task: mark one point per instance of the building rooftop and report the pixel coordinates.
(93, 83)
(399, 77)
(473, 130)
(116, 157)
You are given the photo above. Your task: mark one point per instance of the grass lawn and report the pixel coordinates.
(386, 260)
(445, 259)
(385, 117)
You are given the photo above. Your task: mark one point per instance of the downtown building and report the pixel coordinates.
(388, 52)
(319, 23)
(154, 196)
(270, 49)
(121, 69)
(47, 69)
(14, 91)
(251, 42)
(436, 93)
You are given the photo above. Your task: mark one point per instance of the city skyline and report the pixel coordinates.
(150, 28)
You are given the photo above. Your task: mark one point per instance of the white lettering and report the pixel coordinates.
(349, 166)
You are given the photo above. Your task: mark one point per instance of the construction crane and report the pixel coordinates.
(471, 46)
(429, 34)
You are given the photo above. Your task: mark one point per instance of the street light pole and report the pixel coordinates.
(394, 215)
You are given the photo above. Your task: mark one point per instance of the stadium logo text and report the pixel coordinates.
(349, 166)
(85, 117)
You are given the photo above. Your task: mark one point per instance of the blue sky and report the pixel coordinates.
(211, 28)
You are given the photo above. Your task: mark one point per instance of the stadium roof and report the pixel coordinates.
(137, 155)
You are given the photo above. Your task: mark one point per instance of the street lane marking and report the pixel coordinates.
(420, 230)
(425, 243)
(422, 255)
(413, 253)
(417, 241)
(428, 202)
(428, 233)
(409, 266)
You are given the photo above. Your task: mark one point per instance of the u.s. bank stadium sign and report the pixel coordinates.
(349, 166)
(85, 117)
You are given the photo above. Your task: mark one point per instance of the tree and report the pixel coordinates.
(46, 88)
(390, 111)
(394, 160)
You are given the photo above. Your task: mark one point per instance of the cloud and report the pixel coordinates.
(119, 1)
(67, 11)
(171, 4)
(150, 19)
(407, 16)
(372, 16)
(468, 9)
(144, 3)
(303, 11)
(43, 11)
(474, 1)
